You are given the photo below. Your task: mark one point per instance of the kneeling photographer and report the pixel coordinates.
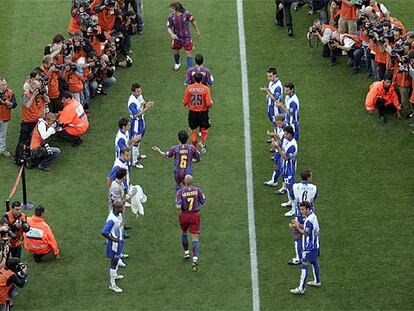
(12, 273)
(351, 44)
(17, 222)
(41, 154)
(73, 119)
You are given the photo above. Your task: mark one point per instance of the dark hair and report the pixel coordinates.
(39, 211)
(290, 85)
(58, 38)
(182, 137)
(306, 204)
(121, 173)
(177, 6)
(289, 129)
(388, 75)
(135, 86)
(66, 95)
(198, 77)
(12, 262)
(126, 149)
(34, 73)
(199, 59)
(411, 54)
(123, 122)
(16, 204)
(272, 70)
(306, 174)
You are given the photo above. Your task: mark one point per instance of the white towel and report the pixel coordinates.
(137, 200)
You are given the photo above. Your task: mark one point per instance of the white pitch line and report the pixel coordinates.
(248, 156)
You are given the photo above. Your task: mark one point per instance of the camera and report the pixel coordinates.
(110, 3)
(58, 67)
(20, 267)
(360, 3)
(2, 96)
(99, 88)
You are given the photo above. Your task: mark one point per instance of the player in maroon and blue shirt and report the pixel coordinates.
(179, 29)
(207, 78)
(183, 158)
(188, 203)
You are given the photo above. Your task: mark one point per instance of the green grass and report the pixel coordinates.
(363, 172)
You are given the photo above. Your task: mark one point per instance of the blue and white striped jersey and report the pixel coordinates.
(121, 142)
(310, 239)
(290, 147)
(118, 164)
(276, 88)
(304, 191)
(292, 105)
(114, 226)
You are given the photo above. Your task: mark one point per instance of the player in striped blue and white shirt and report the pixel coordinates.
(122, 139)
(288, 151)
(121, 162)
(291, 108)
(277, 135)
(302, 191)
(310, 244)
(274, 93)
(137, 107)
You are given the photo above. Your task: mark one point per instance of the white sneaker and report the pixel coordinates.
(314, 283)
(281, 191)
(297, 291)
(203, 147)
(121, 264)
(290, 213)
(199, 134)
(119, 277)
(177, 67)
(187, 255)
(138, 165)
(115, 288)
(270, 183)
(142, 156)
(124, 256)
(6, 153)
(286, 204)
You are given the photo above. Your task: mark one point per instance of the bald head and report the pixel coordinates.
(188, 180)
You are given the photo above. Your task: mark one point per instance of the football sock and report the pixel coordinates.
(204, 134)
(184, 241)
(303, 276)
(195, 248)
(275, 175)
(298, 248)
(177, 58)
(112, 276)
(194, 137)
(189, 62)
(135, 152)
(316, 272)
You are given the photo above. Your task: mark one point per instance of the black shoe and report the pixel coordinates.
(126, 236)
(382, 120)
(279, 24)
(77, 142)
(355, 71)
(294, 262)
(127, 227)
(37, 258)
(290, 32)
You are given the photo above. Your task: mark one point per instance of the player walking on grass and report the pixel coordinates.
(113, 231)
(207, 77)
(184, 155)
(310, 244)
(198, 100)
(303, 191)
(179, 29)
(188, 203)
(137, 108)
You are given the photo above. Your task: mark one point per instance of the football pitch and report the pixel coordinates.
(363, 170)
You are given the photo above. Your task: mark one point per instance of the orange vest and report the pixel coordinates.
(75, 82)
(40, 239)
(412, 93)
(37, 139)
(75, 118)
(349, 11)
(11, 219)
(4, 289)
(35, 111)
(5, 111)
(53, 83)
(377, 90)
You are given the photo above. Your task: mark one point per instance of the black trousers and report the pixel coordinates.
(68, 137)
(380, 104)
(26, 129)
(284, 16)
(16, 251)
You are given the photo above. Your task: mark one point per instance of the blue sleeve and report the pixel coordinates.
(112, 174)
(277, 93)
(293, 107)
(308, 227)
(133, 109)
(316, 195)
(122, 144)
(291, 152)
(108, 227)
(179, 199)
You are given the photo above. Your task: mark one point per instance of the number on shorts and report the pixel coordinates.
(190, 202)
(183, 161)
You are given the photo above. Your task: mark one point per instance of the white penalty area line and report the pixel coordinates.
(248, 157)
